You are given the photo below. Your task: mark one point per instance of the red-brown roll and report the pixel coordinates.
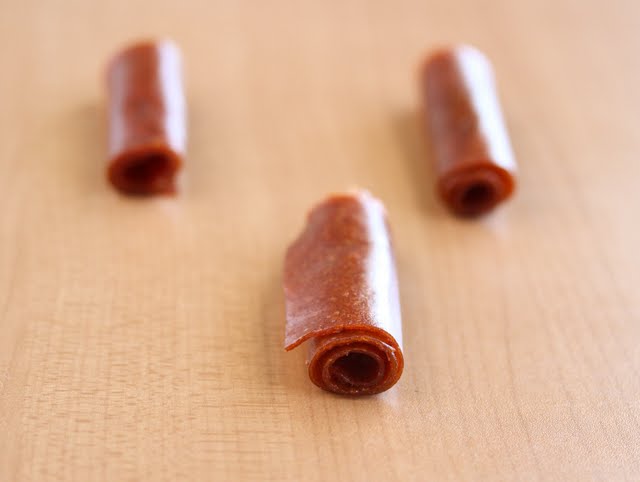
(341, 294)
(475, 165)
(147, 130)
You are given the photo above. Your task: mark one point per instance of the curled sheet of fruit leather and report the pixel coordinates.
(475, 166)
(147, 127)
(341, 295)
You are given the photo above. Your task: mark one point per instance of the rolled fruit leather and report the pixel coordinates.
(341, 294)
(147, 131)
(474, 161)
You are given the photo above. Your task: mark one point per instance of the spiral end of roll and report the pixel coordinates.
(475, 190)
(145, 171)
(355, 363)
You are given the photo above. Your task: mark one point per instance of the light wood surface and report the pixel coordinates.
(142, 339)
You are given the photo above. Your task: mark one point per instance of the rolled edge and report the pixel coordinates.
(145, 170)
(355, 362)
(475, 189)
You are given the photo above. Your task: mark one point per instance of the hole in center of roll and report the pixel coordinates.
(477, 197)
(147, 172)
(355, 368)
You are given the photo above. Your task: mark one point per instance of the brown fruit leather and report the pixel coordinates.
(147, 131)
(474, 161)
(341, 294)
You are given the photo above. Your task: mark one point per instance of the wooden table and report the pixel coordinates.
(142, 339)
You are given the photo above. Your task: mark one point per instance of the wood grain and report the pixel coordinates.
(142, 339)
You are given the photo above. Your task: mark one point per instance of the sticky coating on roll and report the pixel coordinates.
(341, 295)
(147, 129)
(474, 161)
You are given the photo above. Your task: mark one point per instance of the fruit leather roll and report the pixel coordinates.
(475, 166)
(147, 131)
(341, 295)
